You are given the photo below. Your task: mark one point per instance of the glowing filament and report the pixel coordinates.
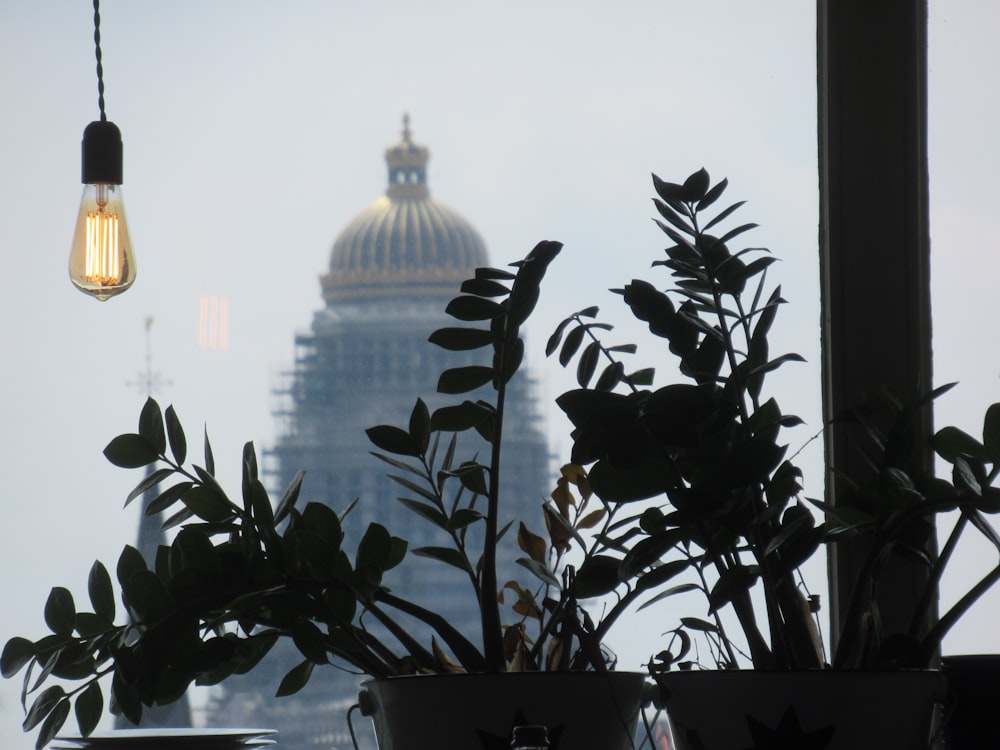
(103, 262)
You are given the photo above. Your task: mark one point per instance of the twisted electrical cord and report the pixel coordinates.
(100, 66)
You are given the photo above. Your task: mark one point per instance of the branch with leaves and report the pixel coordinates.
(710, 448)
(242, 573)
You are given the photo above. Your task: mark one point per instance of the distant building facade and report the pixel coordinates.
(364, 362)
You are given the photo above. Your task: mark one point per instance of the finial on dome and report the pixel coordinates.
(407, 163)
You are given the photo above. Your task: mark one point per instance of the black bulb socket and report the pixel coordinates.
(102, 154)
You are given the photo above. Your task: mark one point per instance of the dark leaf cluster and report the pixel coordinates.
(709, 449)
(243, 572)
(730, 521)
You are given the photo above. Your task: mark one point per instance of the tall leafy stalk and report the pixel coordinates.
(710, 447)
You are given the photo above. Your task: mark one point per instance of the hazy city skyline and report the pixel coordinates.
(253, 131)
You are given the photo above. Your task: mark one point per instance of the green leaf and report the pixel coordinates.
(296, 679)
(311, 554)
(624, 348)
(661, 574)
(375, 547)
(525, 290)
(207, 505)
(472, 476)
(673, 217)
(146, 594)
(642, 377)
(323, 520)
(712, 195)
(991, 433)
(60, 611)
(149, 481)
(461, 417)
(775, 363)
(394, 440)
(499, 274)
(734, 582)
(309, 640)
(736, 232)
(599, 575)
(426, 491)
(461, 339)
(426, 511)
(130, 451)
(175, 433)
(396, 553)
(667, 593)
(167, 498)
(483, 287)
(53, 723)
(513, 355)
(641, 482)
(102, 595)
(464, 379)
(151, 425)
(473, 308)
(263, 513)
(610, 377)
(124, 699)
(446, 555)
(951, 442)
(192, 550)
(463, 517)
(695, 623)
(587, 364)
(541, 571)
(964, 476)
(209, 456)
(43, 706)
(417, 471)
(696, 186)
(289, 498)
(553, 343)
(89, 707)
(249, 466)
(420, 426)
(722, 216)
(571, 345)
(669, 191)
(89, 625)
(16, 653)
(130, 561)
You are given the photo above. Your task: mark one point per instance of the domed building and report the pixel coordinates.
(364, 362)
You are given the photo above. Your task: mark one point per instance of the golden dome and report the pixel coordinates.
(406, 242)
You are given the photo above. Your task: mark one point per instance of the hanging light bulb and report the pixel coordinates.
(101, 262)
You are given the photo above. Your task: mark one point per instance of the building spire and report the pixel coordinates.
(150, 537)
(150, 381)
(406, 127)
(407, 162)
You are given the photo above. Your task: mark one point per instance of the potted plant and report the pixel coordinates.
(242, 573)
(726, 520)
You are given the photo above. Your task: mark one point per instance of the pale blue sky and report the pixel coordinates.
(255, 130)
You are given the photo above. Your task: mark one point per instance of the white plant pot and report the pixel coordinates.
(582, 710)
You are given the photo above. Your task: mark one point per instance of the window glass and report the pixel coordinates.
(964, 116)
(254, 131)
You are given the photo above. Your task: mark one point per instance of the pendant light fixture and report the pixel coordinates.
(101, 262)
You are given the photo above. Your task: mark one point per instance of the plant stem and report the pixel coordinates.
(947, 621)
(488, 604)
(934, 579)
